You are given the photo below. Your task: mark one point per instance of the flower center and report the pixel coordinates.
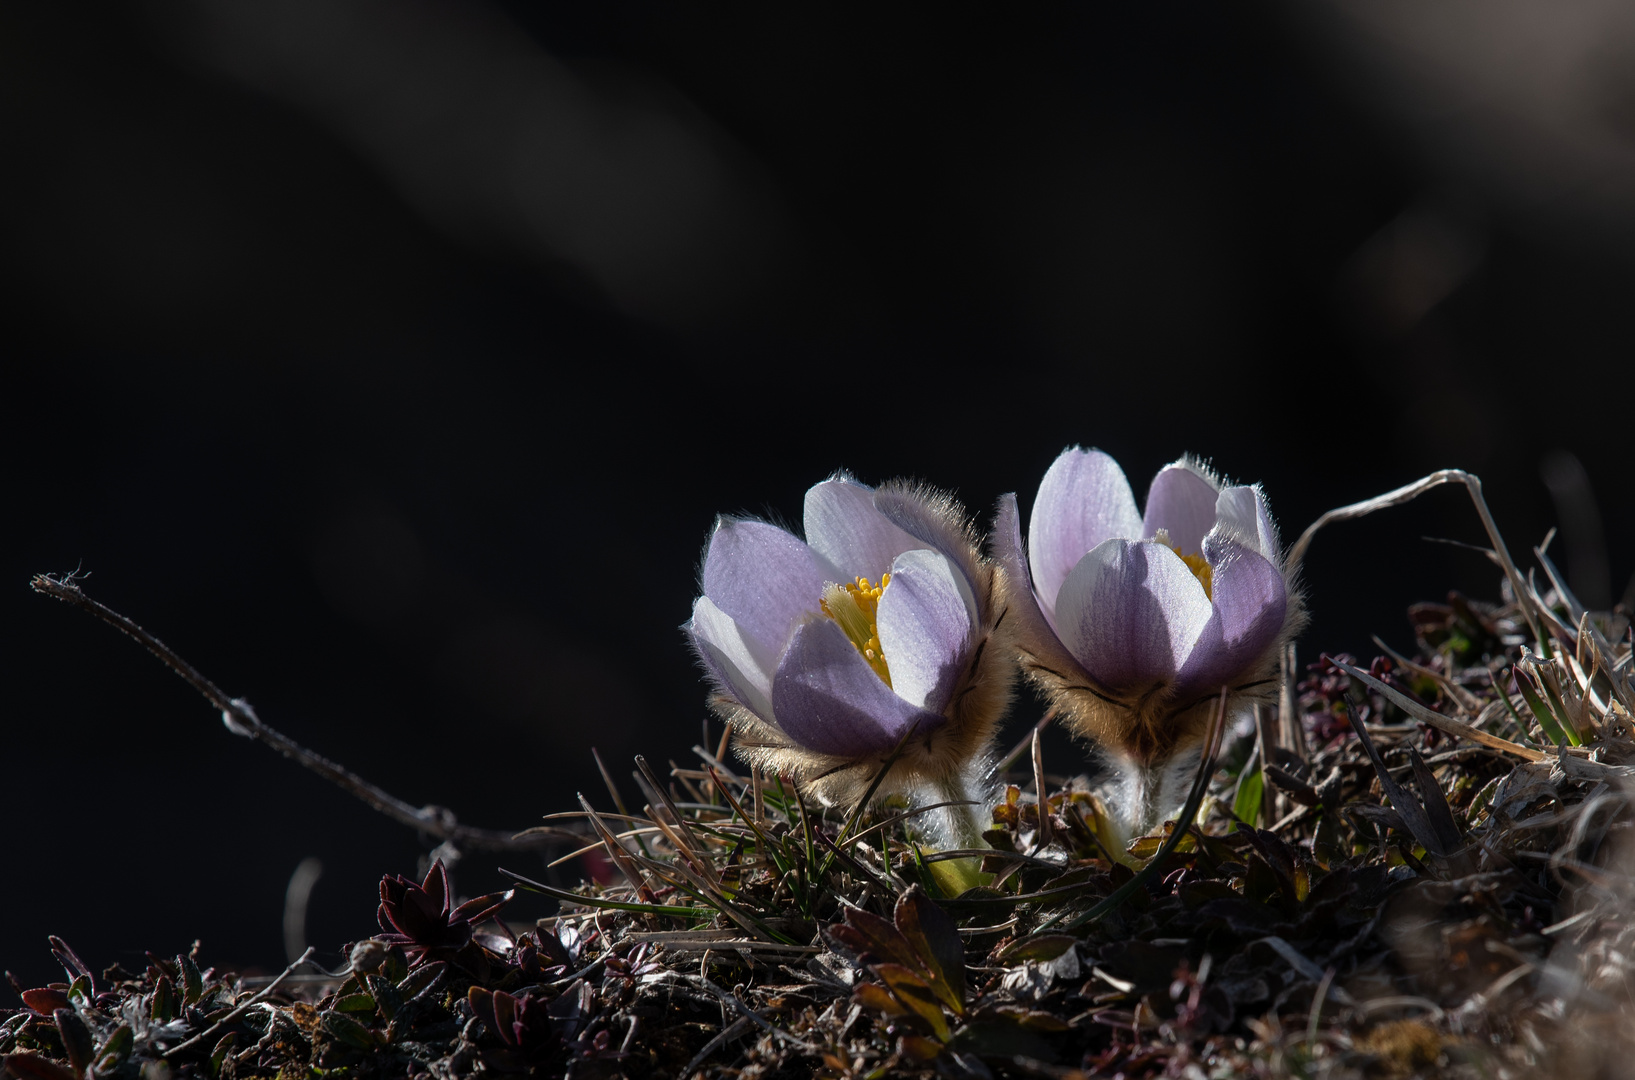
(1201, 570)
(1196, 563)
(853, 607)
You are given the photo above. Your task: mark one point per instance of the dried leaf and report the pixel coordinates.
(1039, 947)
(911, 989)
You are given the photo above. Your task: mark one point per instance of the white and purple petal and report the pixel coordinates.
(1130, 613)
(731, 658)
(1251, 601)
(763, 578)
(1181, 501)
(925, 622)
(829, 700)
(1025, 611)
(1241, 515)
(1083, 500)
(846, 531)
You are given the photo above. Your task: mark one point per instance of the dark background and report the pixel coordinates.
(390, 361)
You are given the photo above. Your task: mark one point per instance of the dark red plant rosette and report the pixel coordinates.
(422, 918)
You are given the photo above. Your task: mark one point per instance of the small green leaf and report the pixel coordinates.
(356, 1003)
(1541, 712)
(79, 992)
(115, 1051)
(218, 1056)
(1246, 806)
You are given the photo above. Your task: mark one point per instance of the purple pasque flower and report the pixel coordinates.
(1135, 621)
(826, 652)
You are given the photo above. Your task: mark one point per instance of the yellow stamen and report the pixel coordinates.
(853, 607)
(1200, 569)
(1196, 563)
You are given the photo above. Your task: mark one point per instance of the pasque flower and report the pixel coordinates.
(827, 652)
(1133, 622)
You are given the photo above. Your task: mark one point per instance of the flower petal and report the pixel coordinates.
(730, 657)
(937, 522)
(829, 700)
(1130, 612)
(1182, 501)
(1250, 602)
(762, 578)
(1083, 500)
(1241, 515)
(1034, 630)
(845, 530)
(924, 621)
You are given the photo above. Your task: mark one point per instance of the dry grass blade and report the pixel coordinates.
(615, 851)
(1467, 701)
(1409, 492)
(1444, 724)
(1044, 836)
(1021, 747)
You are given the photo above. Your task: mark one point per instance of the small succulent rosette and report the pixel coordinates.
(1132, 623)
(875, 630)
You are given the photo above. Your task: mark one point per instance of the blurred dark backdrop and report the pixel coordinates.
(390, 361)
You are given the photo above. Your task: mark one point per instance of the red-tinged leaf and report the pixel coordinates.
(192, 979)
(436, 885)
(45, 1000)
(423, 979)
(163, 1006)
(27, 1066)
(918, 1047)
(877, 940)
(483, 907)
(911, 989)
(874, 996)
(505, 1017)
(76, 1039)
(71, 962)
(1039, 947)
(936, 939)
(224, 1046)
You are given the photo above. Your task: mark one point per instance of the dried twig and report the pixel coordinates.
(241, 719)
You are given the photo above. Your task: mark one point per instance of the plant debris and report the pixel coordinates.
(1417, 866)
